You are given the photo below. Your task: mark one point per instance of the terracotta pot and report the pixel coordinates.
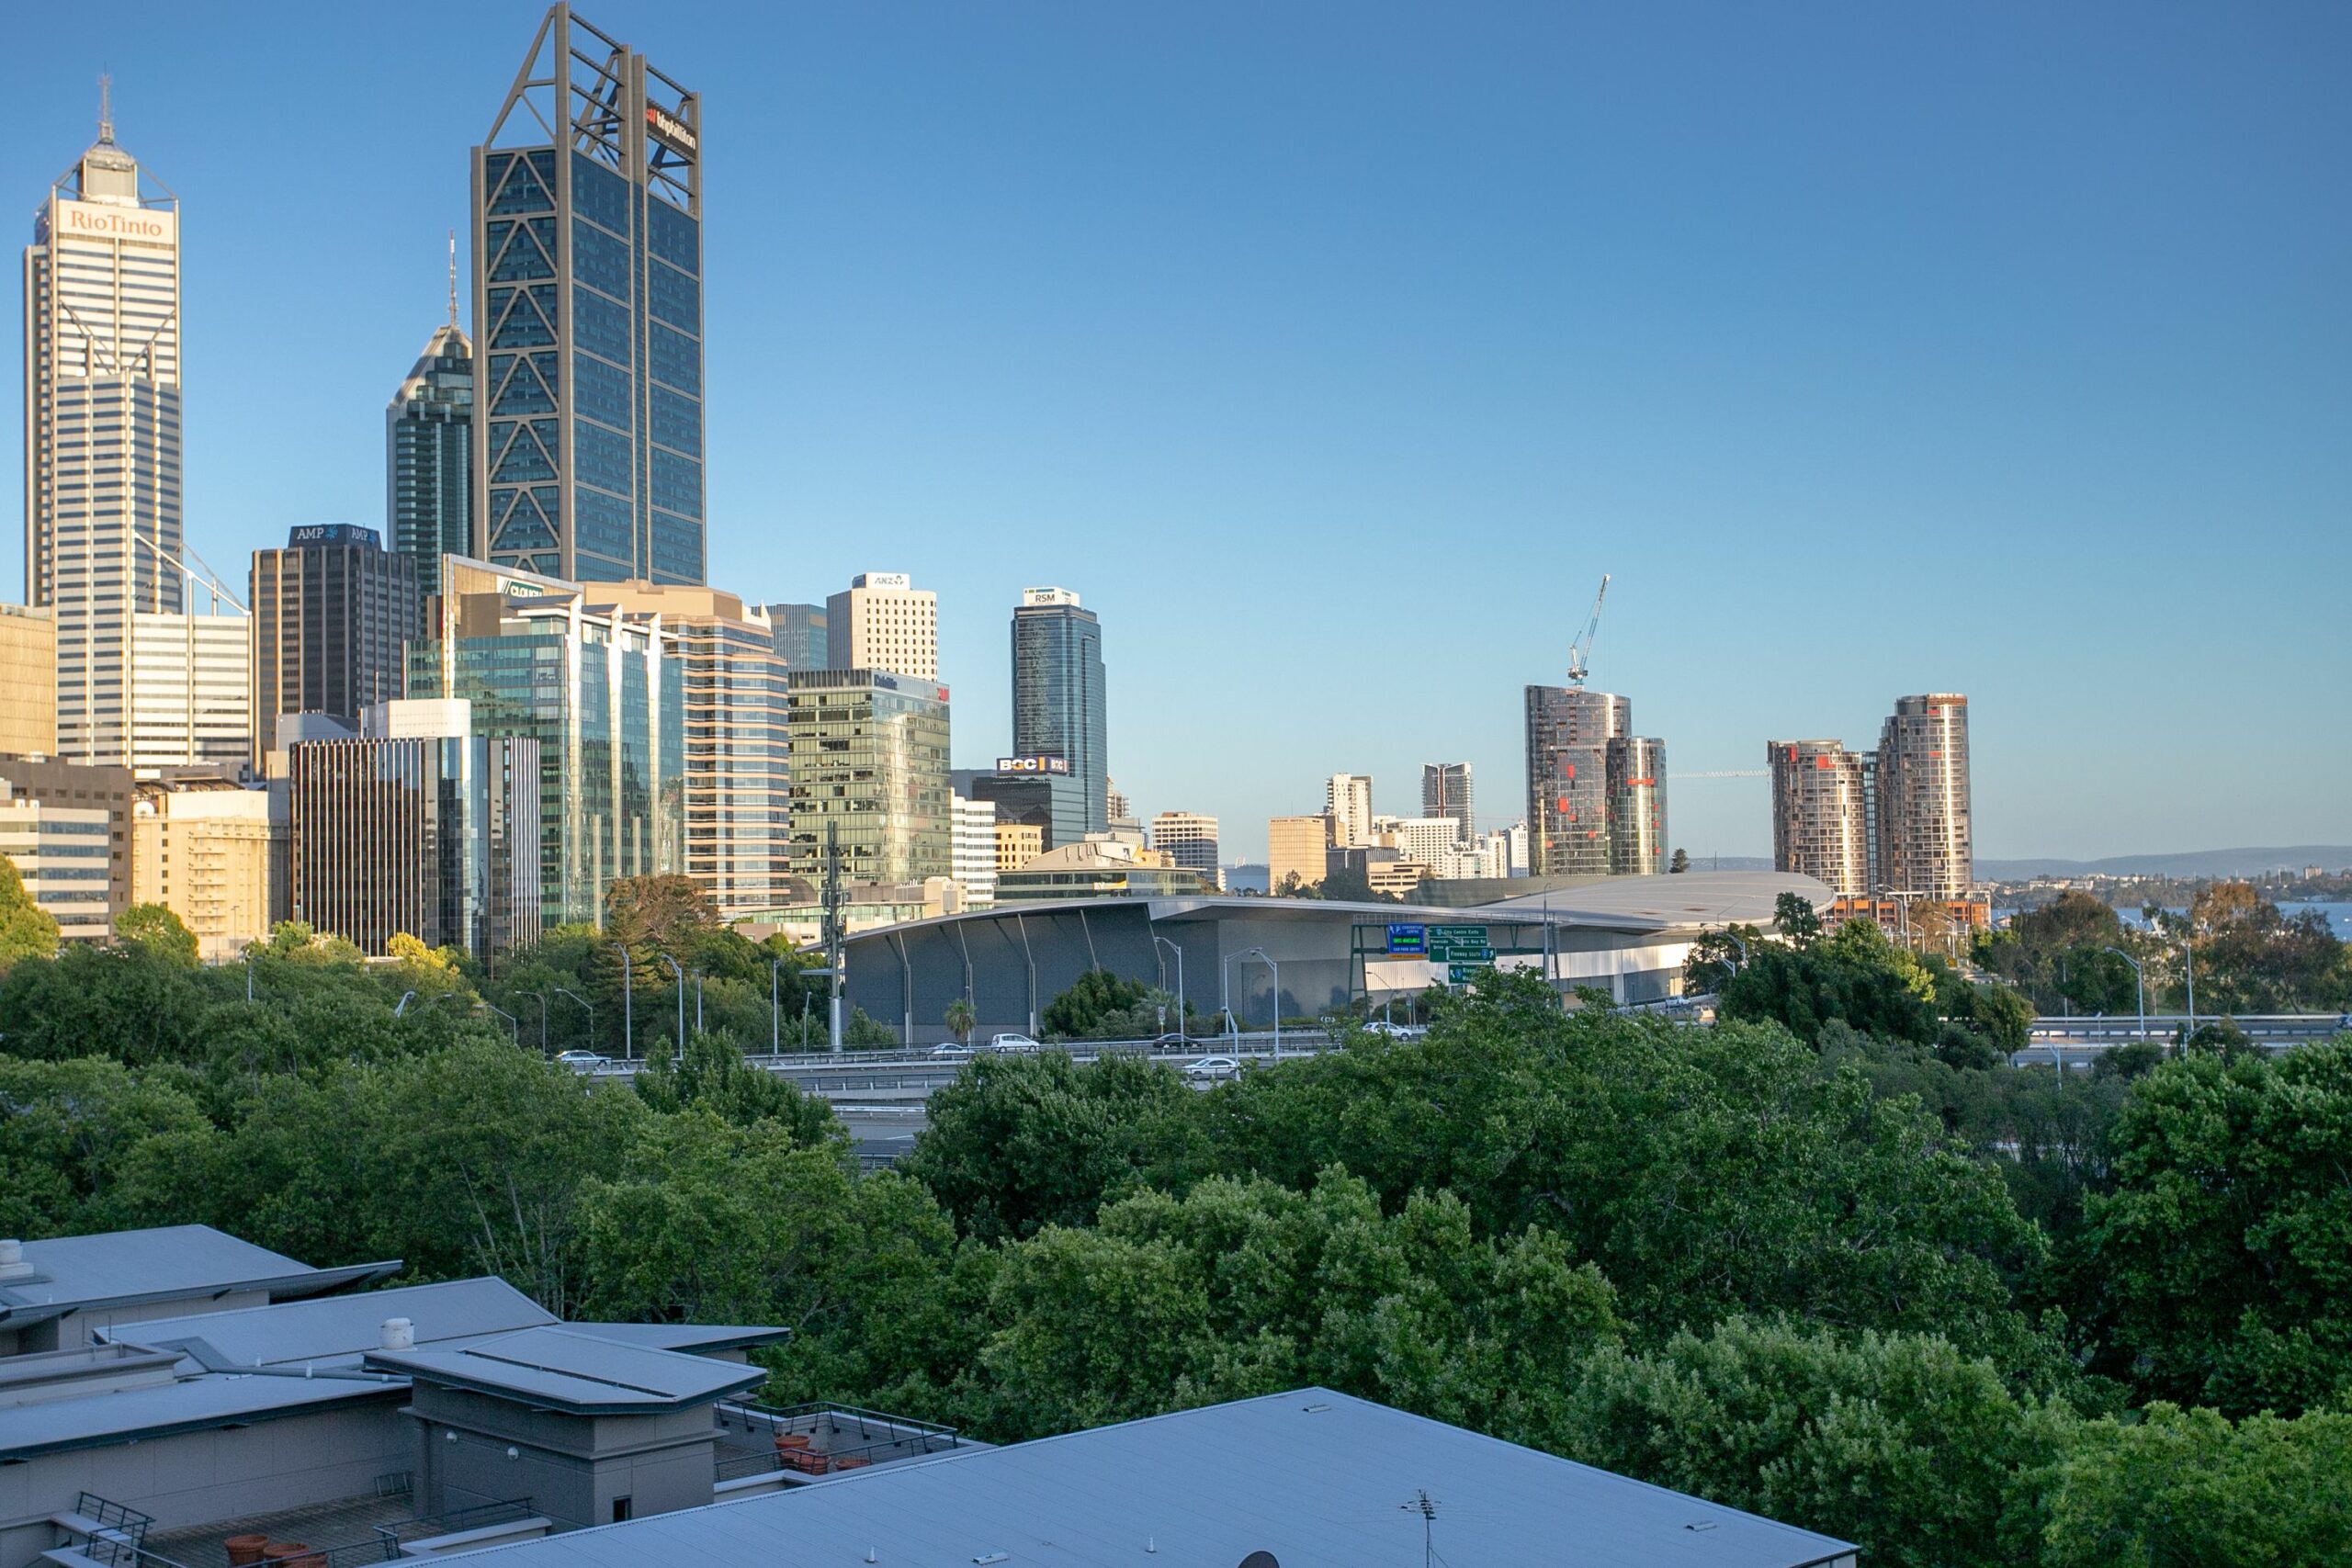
(282, 1550)
(245, 1549)
(791, 1439)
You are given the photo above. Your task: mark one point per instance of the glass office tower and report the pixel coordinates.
(870, 763)
(588, 317)
(600, 693)
(1058, 704)
(332, 615)
(428, 453)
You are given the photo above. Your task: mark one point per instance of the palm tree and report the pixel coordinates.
(960, 1019)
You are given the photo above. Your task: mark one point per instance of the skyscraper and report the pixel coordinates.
(1347, 801)
(332, 615)
(1058, 703)
(588, 316)
(1924, 825)
(883, 622)
(428, 452)
(799, 632)
(1636, 770)
(1820, 818)
(1189, 839)
(102, 434)
(1446, 792)
(1568, 731)
(869, 762)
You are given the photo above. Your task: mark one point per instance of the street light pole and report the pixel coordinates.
(1179, 952)
(2188, 963)
(2140, 984)
(628, 1013)
(401, 1006)
(513, 1028)
(775, 1018)
(1266, 958)
(584, 1002)
(542, 996)
(680, 973)
(697, 1002)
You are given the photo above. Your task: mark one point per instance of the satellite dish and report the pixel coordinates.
(1259, 1559)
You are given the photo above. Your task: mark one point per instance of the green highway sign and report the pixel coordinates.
(1459, 974)
(1459, 944)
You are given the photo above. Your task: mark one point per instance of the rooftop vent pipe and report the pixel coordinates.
(12, 1260)
(397, 1334)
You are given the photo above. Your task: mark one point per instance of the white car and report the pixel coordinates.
(583, 1061)
(1212, 1069)
(952, 1051)
(1393, 1031)
(1013, 1044)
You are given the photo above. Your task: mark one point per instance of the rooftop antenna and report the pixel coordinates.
(105, 108)
(1580, 650)
(453, 278)
(1421, 1502)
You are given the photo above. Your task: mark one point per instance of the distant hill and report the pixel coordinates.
(2193, 864)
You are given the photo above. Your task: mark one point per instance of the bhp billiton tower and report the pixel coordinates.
(102, 432)
(587, 213)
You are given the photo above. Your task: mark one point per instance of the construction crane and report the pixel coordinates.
(1580, 650)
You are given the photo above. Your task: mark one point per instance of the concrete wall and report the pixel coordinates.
(571, 1468)
(197, 1477)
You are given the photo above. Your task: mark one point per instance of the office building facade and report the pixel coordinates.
(588, 385)
(973, 850)
(191, 692)
(82, 786)
(1820, 813)
(1347, 801)
(418, 826)
(869, 776)
(1058, 709)
(881, 621)
(1018, 843)
(737, 747)
(429, 453)
(1189, 839)
(1298, 851)
(1924, 822)
(601, 694)
(28, 680)
(1044, 791)
(1446, 792)
(102, 438)
(201, 847)
(799, 634)
(333, 614)
(59, 852)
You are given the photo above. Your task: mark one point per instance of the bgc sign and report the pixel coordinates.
(1032, 764)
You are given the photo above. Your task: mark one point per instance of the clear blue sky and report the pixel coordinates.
(1333, 352)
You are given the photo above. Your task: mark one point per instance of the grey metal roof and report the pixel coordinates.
(1318, 1479)
(190, 1404)
(78, 1271)
(564, 1369)
(692, 1338)
(340, 1329)
(1690, 898)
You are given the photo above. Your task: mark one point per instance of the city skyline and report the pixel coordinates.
(2108, 481)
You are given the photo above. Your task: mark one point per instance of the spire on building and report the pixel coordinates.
(453, 279)
(106, 109)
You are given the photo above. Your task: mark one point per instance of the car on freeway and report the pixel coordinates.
(1394, 1031)
(1012, 1045)
(583, 1061)
(1174, 1043)
(1212, 1069)
(953, 1052)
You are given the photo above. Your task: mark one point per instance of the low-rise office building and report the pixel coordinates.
(59, 852)
(82, 786)
(27, 679)
(974, 850)
(201, 847)
(1097, 867)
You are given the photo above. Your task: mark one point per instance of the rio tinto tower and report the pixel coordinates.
(102, 434)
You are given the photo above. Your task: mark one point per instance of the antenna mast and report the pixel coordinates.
(105, 108)
(1580, 650)
(453, 278)
(1421, 1502)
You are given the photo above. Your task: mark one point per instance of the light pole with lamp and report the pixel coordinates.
(542, 997)
(584, 1002)
(2188, 972)
(775, 1018)
(401, 1006)
(1163, 942)
(1263, 956)
(628, 1012)
(2140, 985)
(680, 973)
(513, 1028)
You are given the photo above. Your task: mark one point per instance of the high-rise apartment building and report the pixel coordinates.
(588, 361)
(883, 622)
(1297, 851)
(869, 768)
(28, 680)
(1636, 773)
(1425, 841)
(1446, 792)
(1596, 793)
(422, 826)
(974, 850)
(737, 747)
(601, 692)
(1058, 703)
(1923, 823)
(201, 848)
(191, 692)
(429, 453)
(1820, 815)
(333, 614)
(800, 633)
(1189, 839)
(102, 436)
(1347, 801)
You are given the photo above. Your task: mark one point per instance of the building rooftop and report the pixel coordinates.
(1319, 1480)
(76, 1272)
(186, 1404)
(1686, 898)
(339, 1330)
(565, 1368)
